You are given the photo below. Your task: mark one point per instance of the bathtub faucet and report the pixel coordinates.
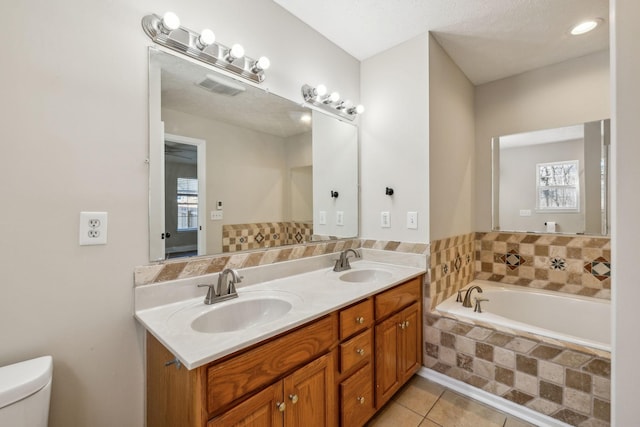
(467, 296)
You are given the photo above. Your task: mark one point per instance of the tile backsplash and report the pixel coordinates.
(451, 266)
(243, 237)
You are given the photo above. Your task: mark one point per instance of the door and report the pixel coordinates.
(310, 396)
(265, 409)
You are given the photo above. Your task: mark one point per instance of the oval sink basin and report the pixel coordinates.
(241, 314)
(363, 276)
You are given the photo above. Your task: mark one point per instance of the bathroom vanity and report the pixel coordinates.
(356, 344)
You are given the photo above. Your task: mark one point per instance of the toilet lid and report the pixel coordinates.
(22, 379)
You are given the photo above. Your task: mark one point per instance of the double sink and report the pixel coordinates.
(197, 333)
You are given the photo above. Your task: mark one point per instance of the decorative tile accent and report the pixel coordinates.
(553, 379)
(600, 268)
(558, 264)
(451, 266)
(244, 237)
(513, 259)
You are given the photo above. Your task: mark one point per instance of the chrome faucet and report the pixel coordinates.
(467, 296)
(342, 263)
(215, 294)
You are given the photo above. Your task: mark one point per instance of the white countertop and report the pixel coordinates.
(311, 294)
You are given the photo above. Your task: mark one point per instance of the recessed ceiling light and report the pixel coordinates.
(585, 27)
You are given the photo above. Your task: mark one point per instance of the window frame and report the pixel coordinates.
(188, 204)
(576, 186)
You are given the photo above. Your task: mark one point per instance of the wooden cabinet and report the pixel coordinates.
(397, 339)
(338, 369)
(305, 397)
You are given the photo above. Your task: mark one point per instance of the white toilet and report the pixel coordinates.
(25, 390)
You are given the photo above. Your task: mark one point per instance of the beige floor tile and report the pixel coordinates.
(515, 422)
(394, 415)
(419, 395)
(428, 423)
(454, 410)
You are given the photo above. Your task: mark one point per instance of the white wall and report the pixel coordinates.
(568, 93)
(626, 204)
(394, 141)
(451, 146)
(75, 137)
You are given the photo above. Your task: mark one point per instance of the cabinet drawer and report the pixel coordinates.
(394, 299)
(356, 397)
(233, 378)
(355, 351)
(356, 318)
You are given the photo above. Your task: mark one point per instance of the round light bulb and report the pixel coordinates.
(334, 97)
(584, 27)
(263, 63)
(237, 51)
(206, 37)
(170, 21)
(305, 118)
(321, 90)
(360, 109)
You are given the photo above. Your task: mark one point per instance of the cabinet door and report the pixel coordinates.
(310, 395)
(409, 353)
(265, 409)
(386, 370)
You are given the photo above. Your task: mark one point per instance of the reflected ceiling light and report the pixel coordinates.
(170, 22)
(585, 27)
(305, 118)
(261, 64)
(206, 38)
(236, 52)
(203, 47)
(331, 103)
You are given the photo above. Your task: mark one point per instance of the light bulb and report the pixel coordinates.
(206, 38)
(360, 109)
(334, 97)
(584, 27)
(262, 63)
(305, 118)
(170, 22)
(321, 90)
(236, 52)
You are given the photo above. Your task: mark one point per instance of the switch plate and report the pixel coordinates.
(216, 215)
(412, 220)
(339, 218)
(93, 228)
(322, 218)
(385, 219)
(525, 212)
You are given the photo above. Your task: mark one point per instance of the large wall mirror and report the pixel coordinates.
(234, 167)
(553, 180)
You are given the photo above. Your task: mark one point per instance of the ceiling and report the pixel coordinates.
(487, 39)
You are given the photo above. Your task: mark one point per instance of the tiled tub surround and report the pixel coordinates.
(451, 266)
(572, 264)
(199, 266)
(243, 237)
(558, 381)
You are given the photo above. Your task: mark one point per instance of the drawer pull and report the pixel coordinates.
(404, 325)
(281, 406)
(360, 400)
(359, 320)
(401, 325)
(360, 351)
(294, 398)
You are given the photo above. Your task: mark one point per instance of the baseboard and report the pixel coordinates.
(492, 400)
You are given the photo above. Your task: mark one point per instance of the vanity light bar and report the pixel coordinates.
(166, 31)
(331, 102)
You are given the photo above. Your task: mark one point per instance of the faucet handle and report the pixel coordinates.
(478, 308)
(211, 293)
(459, 297)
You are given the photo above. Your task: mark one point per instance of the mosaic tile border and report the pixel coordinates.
(198, 266)
(243, 237)
(561, 382)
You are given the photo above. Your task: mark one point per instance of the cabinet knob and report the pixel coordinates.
(360, 351)
(360, 320)
(281, 406)
(293, 398)
(406, 324)
(401, 325)
(360, 400)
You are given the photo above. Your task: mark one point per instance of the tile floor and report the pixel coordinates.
(423, 403)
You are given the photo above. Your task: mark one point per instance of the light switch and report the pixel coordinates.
(385, 219)
(525, 212)
(216, 215)
(412, 220)
(339, 218)
(322, 217)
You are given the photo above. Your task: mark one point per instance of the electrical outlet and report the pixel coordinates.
(93, 228)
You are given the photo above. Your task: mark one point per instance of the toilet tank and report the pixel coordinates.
(25, 390)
